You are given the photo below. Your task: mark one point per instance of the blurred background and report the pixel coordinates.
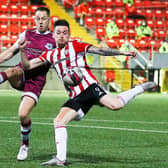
(128, 25)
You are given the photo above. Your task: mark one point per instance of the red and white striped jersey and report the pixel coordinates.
(75, 51)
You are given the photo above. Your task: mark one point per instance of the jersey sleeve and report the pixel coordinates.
(81, 46)
(47, 56)
(21, 36)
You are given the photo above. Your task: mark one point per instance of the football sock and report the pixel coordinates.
(25, 132)
(61, 138)
(128, 95)
(3, 77)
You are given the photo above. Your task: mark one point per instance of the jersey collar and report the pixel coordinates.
(46, 32)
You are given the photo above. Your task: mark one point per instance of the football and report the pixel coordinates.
(73, 76)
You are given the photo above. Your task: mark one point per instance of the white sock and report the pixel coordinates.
(128, 95)
(1, 79)
(61, 138)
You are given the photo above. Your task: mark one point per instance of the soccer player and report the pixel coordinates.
(30, 82)
(84, 95)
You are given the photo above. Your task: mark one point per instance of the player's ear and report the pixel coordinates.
(69, 32)
(49, 22)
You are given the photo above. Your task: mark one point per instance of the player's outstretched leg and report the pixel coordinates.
(14, 75)
(128, 95)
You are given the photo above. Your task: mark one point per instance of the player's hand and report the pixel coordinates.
(133, 54)
(130, 54)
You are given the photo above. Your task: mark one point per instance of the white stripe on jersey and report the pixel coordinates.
(64, 65)
(49, 56)
(73, 58)
(76, 59)
(56, 66)
(72, 54)
(81, 63)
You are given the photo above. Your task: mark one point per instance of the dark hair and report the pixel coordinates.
(42, 8)
(61, 22)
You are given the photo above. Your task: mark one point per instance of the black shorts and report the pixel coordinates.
(86, 99)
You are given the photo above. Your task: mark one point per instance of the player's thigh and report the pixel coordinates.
(66, 115)
(110, 102)
(15, 76)
(26, 105)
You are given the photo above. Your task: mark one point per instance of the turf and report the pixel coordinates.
(134, 137)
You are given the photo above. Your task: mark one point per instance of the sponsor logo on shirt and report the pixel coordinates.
(49, 46)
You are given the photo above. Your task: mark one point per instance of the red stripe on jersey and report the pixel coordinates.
(58, 58)
(79, 46)
(42, 59)
(75, 51)
(43, 56)
(81, 87)
(51, 57)
(89, 71)
(91, 74)
(86, 80)
(68, 62)
(74, 94)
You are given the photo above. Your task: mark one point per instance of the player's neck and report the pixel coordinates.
(61, 46)
(46, 32)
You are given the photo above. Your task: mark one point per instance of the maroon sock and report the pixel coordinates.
(25, 133)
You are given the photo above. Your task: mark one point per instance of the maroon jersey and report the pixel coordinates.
(36, 44)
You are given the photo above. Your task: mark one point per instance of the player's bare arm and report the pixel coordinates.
(11, 51)
(8, 54)
(109, 51)
(25, 62)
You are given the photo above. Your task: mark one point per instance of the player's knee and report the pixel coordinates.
(116, 106)
(16, 71)
(13, 72)
(22, 115)
(59, 123)
(10, 72)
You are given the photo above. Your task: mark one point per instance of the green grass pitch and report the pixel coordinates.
(134, 137)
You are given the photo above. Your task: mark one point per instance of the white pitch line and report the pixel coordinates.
(96, 120)
(96, 127)
(124, 121)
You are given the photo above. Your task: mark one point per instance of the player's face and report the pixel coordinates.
(42, 21)
(61, 35)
